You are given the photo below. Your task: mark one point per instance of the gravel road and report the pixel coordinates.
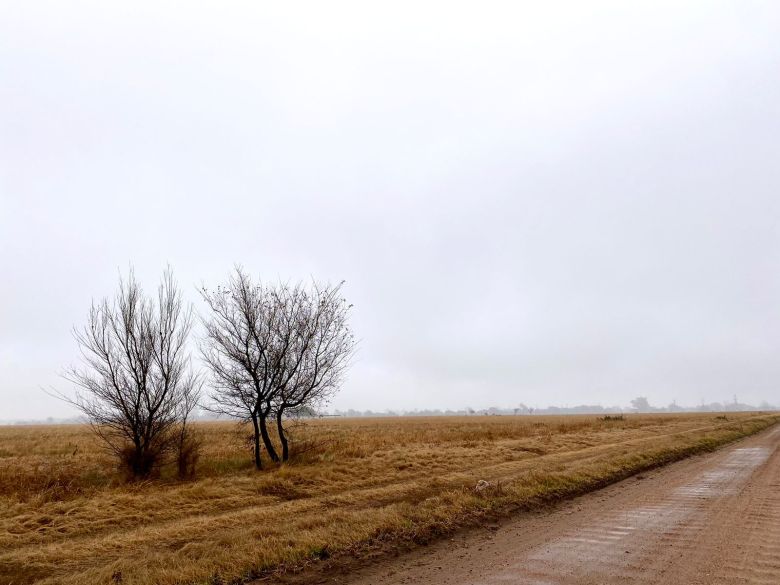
(712, 519)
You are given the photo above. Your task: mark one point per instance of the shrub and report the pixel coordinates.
(612, 417)
(188, 454)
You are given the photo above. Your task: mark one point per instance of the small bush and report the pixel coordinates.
(188, 454)
(140, 464)
(612, 417)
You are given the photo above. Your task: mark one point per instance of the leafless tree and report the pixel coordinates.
(272, 349)
(318, 344)
(136, 384)
(238, 349)
(188, 441)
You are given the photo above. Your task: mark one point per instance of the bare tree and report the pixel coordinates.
(238, 349)
(136, 385)
(272, 350)
(188, 442)
(318, 344)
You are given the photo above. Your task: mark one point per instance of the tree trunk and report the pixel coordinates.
(269, 446)
(137, 457)
(258, 462)
(282, 436)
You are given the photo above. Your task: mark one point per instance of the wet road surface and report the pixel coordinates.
(713, 519)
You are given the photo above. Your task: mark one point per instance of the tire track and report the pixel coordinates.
(755, 553)
(626, 542)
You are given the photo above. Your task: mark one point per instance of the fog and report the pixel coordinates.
(546, 203)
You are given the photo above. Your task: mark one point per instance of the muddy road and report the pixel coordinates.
(713, 519)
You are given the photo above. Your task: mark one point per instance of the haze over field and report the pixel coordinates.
(545, 204)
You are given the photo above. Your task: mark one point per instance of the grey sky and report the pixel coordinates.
(541, 202)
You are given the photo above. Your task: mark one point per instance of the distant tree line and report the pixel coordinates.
(270, 351)
(639, 405)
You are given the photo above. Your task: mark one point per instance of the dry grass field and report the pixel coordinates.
(353, 485)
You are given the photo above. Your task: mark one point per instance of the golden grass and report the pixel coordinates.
(67, 517)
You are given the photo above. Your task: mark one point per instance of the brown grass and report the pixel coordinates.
(66, 516)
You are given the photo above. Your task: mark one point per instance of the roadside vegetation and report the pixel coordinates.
(350, 487)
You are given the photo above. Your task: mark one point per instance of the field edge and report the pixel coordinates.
(329, 563)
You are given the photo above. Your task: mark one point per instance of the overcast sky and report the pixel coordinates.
(540, 202)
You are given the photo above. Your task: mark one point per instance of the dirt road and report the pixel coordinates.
(713, 520)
